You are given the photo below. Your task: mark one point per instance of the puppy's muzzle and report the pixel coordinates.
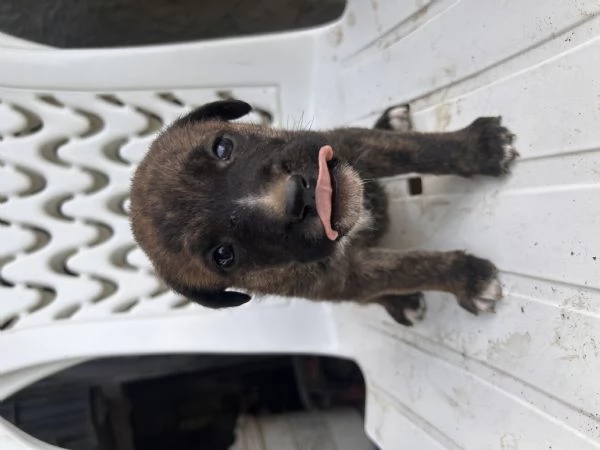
(299, 198)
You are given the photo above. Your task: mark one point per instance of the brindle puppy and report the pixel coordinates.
(216, 204)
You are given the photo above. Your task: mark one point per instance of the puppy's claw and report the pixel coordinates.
(492, 292)
(395, 118)
(488, 298)
(510, 152)
(495, 152)
(399, 118)
(418, 314)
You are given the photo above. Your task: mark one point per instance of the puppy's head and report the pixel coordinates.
(214, 203)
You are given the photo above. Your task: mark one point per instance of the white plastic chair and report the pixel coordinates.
(525, 377)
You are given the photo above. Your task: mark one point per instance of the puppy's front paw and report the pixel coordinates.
(481, 290)
(395, 118)
(487, 299)
(493, 149)
(405, 309)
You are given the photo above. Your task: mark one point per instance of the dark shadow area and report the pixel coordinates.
(415, 186)
(116, 23)
(180, 402)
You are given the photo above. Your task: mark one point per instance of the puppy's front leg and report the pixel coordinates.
(485, 147)
(390, 277)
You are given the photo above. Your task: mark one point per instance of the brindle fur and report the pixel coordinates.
(184, 202)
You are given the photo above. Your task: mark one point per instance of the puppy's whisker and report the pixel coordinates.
(358, 158)
(310, 124)
(298, 124)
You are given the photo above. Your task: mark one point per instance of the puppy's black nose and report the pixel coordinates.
(299, 198)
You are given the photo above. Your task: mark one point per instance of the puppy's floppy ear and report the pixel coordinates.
(221, 110)
(212, 299)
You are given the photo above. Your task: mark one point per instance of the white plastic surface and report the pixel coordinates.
(526, 377)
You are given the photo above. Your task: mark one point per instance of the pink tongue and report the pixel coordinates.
(324, 192)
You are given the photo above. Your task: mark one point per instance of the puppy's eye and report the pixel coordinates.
(224, 256)
(222, 148)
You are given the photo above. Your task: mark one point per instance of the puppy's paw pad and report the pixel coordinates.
(396, 118)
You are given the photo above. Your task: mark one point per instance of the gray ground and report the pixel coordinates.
(111, 23)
